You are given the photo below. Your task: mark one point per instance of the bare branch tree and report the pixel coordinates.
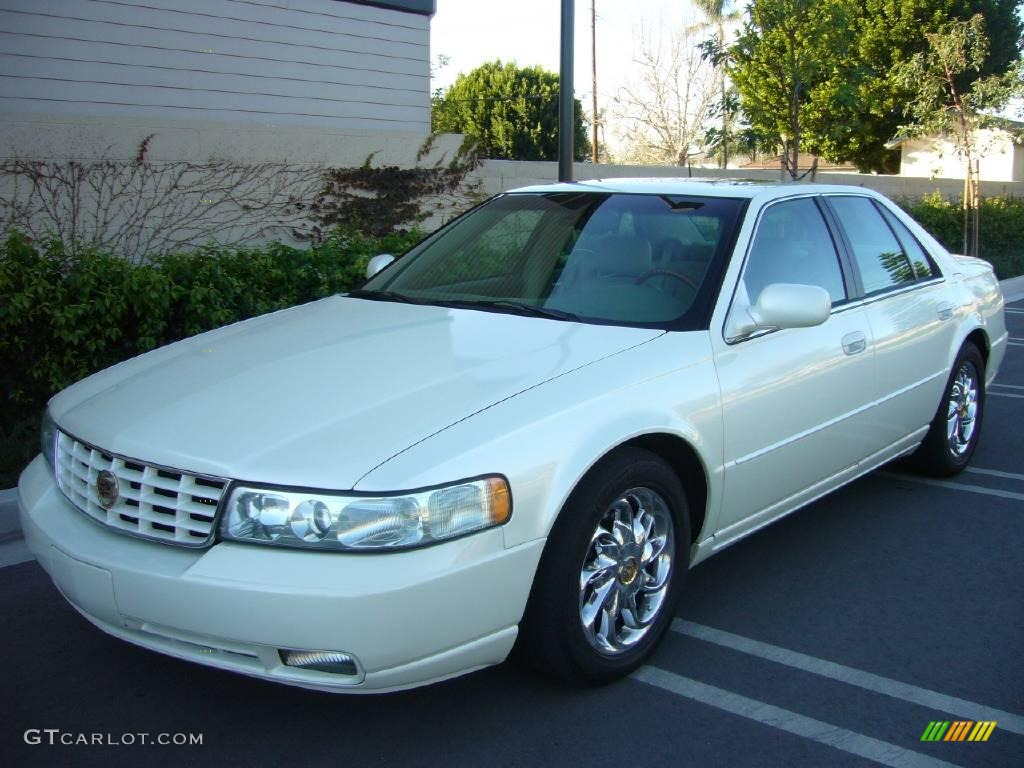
(668, 106)
(140, 209)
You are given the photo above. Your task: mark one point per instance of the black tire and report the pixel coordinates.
(552, 637)
(937, 455)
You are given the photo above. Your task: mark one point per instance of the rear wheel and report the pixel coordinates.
(954, 432)
(607, 584)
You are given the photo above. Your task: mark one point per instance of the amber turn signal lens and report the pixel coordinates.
(501, 500)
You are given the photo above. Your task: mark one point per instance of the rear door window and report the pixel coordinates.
(882, 261)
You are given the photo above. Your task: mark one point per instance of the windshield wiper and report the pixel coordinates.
(360, 293)
(515, 307)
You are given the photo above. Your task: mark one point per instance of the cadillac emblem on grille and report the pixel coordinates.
(107, 489)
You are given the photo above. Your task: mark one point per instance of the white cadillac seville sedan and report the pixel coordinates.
(522, 433)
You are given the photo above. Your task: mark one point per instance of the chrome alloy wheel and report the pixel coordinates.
(963, 409)
(627, 571)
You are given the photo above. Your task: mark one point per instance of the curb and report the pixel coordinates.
(1013, 290)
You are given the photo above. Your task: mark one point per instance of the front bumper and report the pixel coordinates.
(408, 618)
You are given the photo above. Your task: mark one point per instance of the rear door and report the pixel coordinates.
(793, 400)
(909, 308)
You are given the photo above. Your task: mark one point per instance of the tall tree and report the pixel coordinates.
(510, 112)
(952, 98)
(888, 34)
(718, 12)
(794, 67)
(863, 103)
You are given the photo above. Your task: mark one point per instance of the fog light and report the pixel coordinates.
(321, 661)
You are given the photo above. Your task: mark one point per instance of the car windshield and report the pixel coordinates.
(625, 259)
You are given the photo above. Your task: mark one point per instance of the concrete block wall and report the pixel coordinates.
(501, 175)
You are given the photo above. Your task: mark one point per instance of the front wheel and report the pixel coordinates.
(607, 584)
(954, 432)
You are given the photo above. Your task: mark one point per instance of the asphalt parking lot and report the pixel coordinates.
(834, 637)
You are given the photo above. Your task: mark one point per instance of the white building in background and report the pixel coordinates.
(1001, 157)
(250, 80)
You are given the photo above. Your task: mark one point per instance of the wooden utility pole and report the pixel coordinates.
(593, 82)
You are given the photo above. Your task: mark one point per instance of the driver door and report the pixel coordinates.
(793, 400)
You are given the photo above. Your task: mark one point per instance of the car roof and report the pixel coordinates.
(742, 188)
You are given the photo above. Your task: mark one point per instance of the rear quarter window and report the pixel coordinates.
(923, 264)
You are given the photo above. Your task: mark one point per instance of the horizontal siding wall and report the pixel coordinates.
(318, 63)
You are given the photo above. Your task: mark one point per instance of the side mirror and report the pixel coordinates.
(782, 305)
(377, 263)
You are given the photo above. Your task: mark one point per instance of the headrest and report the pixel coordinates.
(619, 255)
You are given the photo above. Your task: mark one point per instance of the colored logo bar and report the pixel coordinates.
(958, 730)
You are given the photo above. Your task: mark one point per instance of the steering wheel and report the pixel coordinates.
(670, 273)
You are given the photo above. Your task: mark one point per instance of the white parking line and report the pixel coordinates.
(995, 473)
(871, 682)
(1015, 344)
(800, 725)
(1006, 386)
(1004, 394)
(954, 485)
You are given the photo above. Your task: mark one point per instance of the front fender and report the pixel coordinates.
(545, 440)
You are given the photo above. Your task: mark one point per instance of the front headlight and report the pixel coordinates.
(48, 438)
(324, 520)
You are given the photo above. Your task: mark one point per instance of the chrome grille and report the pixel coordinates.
(153, 502)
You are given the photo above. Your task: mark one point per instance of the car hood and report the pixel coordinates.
(319, 395)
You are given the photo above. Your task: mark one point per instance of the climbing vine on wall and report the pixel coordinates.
(378, 199)
(140, 209)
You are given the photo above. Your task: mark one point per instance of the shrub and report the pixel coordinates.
(63, 316)
(1001, 228)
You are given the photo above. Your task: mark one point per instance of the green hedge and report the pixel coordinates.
(63, 318)
(1001, 228)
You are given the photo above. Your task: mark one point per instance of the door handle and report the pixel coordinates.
(854, 342)
(945, 311)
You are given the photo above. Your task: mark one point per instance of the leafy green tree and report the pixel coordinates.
(850, 91)
(793, 65)
(1004, 24)
(942, 105)
(510, 112)
(889, 33)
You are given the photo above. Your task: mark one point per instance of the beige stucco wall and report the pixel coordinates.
(248, 200)
(41, 136)
(999, 158)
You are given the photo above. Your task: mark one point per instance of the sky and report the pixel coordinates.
(471, 32)
(527, 32)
